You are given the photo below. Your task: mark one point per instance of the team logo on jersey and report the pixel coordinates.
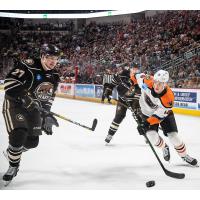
(20, 117)
(44, 91)
(149, 102)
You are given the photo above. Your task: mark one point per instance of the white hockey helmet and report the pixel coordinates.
(161, 76)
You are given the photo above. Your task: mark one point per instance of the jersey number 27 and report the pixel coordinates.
(18, 72)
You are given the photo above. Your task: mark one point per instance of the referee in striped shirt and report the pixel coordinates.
(107, 79)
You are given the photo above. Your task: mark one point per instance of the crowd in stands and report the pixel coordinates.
(150, 42)
(186, 75)
(8, 23)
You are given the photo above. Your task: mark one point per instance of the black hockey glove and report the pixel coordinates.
(48, 121)
(28, 103)
(108, 92)
(143, 127)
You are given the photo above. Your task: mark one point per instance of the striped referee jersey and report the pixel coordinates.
(107, 78)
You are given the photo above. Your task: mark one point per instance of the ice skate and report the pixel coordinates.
(190, 160)
(10, 174)
(108, 138)
(166, 152)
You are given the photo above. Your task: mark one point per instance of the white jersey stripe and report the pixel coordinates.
(8, 114)
(5, 116)
(8, 88)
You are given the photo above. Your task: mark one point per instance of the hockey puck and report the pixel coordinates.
(150, 183)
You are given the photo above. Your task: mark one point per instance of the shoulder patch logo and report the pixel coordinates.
(144, 86)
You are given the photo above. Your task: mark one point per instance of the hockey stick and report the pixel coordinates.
(167, 172)
(94, 124)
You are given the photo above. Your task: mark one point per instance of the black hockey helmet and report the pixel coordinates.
(125, 66)
(50, 50)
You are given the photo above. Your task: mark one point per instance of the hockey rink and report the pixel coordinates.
(76, 158)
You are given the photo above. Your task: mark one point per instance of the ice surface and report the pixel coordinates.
(76, 158)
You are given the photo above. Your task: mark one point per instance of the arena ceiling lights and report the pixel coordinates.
(67, 16)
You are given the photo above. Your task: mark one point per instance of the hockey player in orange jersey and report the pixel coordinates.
(156, 103)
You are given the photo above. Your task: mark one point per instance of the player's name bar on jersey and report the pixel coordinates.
(71, 16)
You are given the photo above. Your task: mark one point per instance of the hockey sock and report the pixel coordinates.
(14, 155)
(181, 150)
(155, 139)
(161, 143)
(113, 128)
(178, 143)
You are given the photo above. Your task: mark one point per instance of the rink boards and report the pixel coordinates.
(187, 101)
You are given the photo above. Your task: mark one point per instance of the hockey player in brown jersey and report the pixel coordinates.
(128, 90)
(31, 84)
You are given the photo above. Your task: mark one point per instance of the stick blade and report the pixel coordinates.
(174, 174)
(94, 124)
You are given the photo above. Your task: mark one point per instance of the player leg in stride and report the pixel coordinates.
(119, 116)
(180, 147)
(158, 141)
(170, 130)
(13, 154)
